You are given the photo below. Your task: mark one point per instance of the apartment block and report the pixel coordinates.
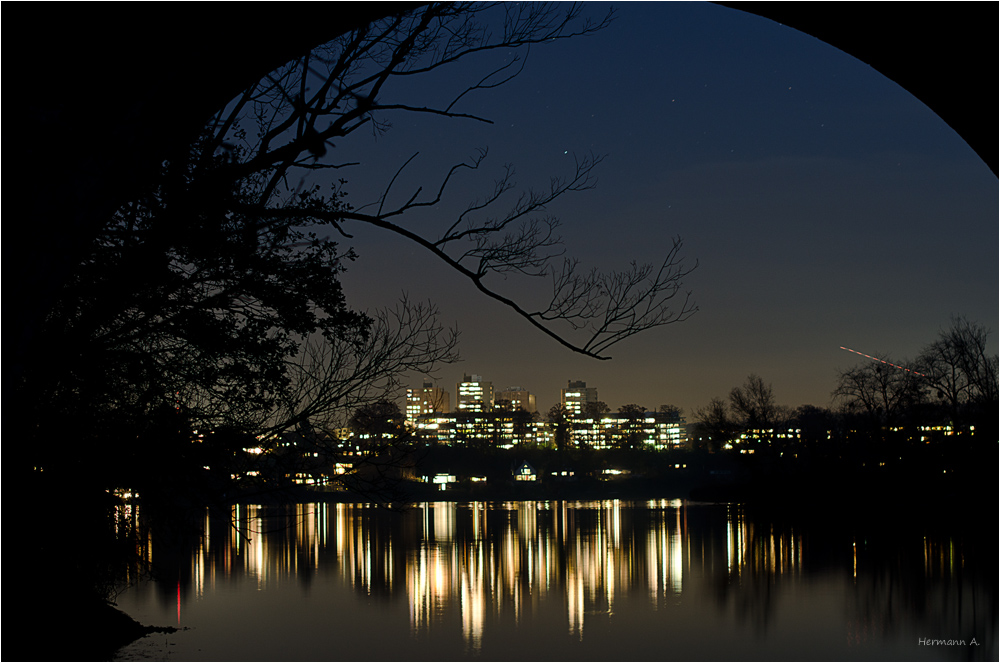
(427, 399)
(474, 394)
(576, 396)
(516, 398)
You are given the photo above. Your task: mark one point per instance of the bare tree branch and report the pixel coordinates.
(333, 375)
(883, 392)
(303, 108)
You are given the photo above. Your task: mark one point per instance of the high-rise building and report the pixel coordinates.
(576, 396)
(426, 400)
(516, 398)
(474, 394)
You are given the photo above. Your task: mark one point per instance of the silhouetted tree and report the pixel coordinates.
(519, 421)
(715, 422)
(632, 410)
(595, 409)
(377, 419)
(215, 294)
(815, 424)
(753, 404)
(333, 374)
(884, 393)
(959, 371)
(672, 412)
(629, 433)
(559, 418)
(285, 127)
(211, 300)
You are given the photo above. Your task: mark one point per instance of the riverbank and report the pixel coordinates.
(57, 628)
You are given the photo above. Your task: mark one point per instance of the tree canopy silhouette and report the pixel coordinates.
(212, 299)
(960, 372)
(885, 394)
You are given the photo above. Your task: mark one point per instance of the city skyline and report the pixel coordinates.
(434, 392)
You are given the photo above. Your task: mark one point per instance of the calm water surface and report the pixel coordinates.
(610, 580)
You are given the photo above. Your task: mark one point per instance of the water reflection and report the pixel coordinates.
(505, 560)
(605, 571)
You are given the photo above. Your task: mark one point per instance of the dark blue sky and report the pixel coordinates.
(826, 206)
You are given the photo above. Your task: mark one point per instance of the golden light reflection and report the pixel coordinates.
(485, 562)
(466, 573)
(942, 559)
(751, 550)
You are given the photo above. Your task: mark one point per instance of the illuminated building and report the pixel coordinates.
(426, 400)
(576, 396)
(518, 398)
(492, 429)
(436, 428)
(502, 419)
(767, 436)
(652, 430)
(525, 472)
(507, 429)
(474, 395)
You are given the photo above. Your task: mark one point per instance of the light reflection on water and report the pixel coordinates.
(606, 580)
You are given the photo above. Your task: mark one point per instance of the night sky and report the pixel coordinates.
(825, 205)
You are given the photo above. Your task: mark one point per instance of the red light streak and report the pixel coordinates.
(887, 363)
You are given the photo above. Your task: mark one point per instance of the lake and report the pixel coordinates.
(564, 580)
